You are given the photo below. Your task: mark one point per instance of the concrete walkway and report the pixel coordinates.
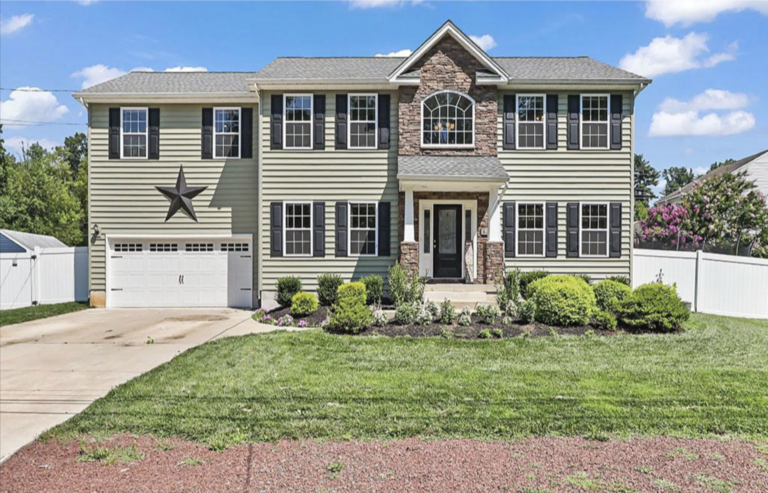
(54, 368)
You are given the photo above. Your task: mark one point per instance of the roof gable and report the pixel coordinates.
(448, 29)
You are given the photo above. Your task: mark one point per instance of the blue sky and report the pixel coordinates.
(708, 101)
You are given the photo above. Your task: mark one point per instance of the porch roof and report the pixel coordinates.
(451, 168)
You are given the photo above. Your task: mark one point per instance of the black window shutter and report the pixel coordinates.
(617, 102)
(318, 229)
(206, 144)
(246, 133)
(574, 108)
(552, 111)
(615, 220)
(114, 133)
(384, 229)
(572, 219)
(153, 150)
(276, 229)
(276, 123)
(341, 121)
(318, 106)
(551, 217)
(342, 229)
(509, 229)
(383, 121)
(509, 121)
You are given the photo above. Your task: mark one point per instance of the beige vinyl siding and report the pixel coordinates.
(123, 198)
(327, 176)
(565, 176)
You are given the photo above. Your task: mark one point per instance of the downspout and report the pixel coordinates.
(257, 243)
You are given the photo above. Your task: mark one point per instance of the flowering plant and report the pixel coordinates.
(669, 224)
(302, 324)
(285, 321)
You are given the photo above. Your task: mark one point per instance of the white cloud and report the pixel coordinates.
(96, 74)
(372, 4)
(687, 12)
(670, 55)
(711, 99)
(17, 144)
(186, 69)
(486, 41)
(31, 104)
(402, 53)
(16, 23)
(690, 123)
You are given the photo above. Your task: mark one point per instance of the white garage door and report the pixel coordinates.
(180, 273)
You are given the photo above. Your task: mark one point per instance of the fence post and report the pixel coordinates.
(35, 277)
(699, 280)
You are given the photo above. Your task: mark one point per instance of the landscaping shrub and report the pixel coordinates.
(405, 286)
(379, 317)
(563, 300)
(287, 287)
(605, 320)
(424, 315)
(350, 313)
(487, 314)
(303, 304)
(654, 307)
(327, 286)
(621, 279)
(497, 333)
(508, 291)
(405, 314)
(433, 308)
(527, 311)
(507, 320)
(374, 287)
(610, 294)
(465, 317)
(527, 278)
(586, 278)
(447, 312)
(484, 334)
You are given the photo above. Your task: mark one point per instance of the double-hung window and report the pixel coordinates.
(594, 230)
(531, 111)
(226, 133)
(133, 133)
(595, 112)
(298, 229)
(362, 121)
(298, 121)
(363, 228)
(530, 229)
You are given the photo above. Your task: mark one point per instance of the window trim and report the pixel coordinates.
(311, 228)
(239, 131)
(375, 228)
(311, 121)
(447, 146)
(607, 122)
(543, 123)
(122, 133)
(543, 230)
(607, 229)
(350, 121)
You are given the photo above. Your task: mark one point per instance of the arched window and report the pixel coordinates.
(448, 119)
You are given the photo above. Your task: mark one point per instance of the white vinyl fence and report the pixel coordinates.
(712, 283)
(49, 275)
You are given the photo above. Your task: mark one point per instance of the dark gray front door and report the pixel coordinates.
(447, 248)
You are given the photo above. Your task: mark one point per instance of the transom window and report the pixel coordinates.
(362, 121)
(128, 247)
(198, 247)
(448, 120)
(133, 132)
(530, 230)
(362, 228)
(530, 121)
(298, 229)
(234, 247)
(163, 247)
(226, 132)
(594, 230)
(594, 121)
(298, 121)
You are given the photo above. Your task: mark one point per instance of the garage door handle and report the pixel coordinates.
(117, 289)
(117, 256)
(245, 289)
(245, 256)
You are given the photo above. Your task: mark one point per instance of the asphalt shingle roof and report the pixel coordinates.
(561, 68)
(469, 167)
(174, 83)
(30, 240)
(364, 68)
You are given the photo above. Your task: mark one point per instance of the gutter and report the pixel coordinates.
(484, 179)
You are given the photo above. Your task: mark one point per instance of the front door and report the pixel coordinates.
(447, 248)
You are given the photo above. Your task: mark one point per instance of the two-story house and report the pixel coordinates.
(205, 188)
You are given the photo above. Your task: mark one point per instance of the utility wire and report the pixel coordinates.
(35, 89)
(28, 122)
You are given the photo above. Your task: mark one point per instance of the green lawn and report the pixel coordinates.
(19, 315)
(711, 380)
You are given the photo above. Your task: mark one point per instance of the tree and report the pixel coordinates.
(717, 164)
(75, 151)
(646, 179)
(641, 211)
(676, 178)
(669, 225)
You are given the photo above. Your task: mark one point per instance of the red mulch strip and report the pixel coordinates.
(555, 465)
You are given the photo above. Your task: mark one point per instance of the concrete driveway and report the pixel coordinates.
(54, 368)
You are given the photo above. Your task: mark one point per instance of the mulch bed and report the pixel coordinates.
(552, 465)
(314, 320)
(472, 331)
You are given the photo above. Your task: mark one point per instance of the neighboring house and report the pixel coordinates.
(449, 161)
(754, 167)
(18, 242)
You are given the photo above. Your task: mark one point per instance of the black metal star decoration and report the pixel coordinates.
(181, 196)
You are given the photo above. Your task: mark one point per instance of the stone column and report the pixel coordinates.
(494, 249)
(409, 248)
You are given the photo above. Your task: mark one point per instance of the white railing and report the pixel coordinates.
(49, 275)
(712, 283)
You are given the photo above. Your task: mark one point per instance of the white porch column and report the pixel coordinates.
(409, 234)
(494, 215)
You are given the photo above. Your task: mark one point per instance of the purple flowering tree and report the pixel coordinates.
(669, 225)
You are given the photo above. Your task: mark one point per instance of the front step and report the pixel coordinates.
(461, 295)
